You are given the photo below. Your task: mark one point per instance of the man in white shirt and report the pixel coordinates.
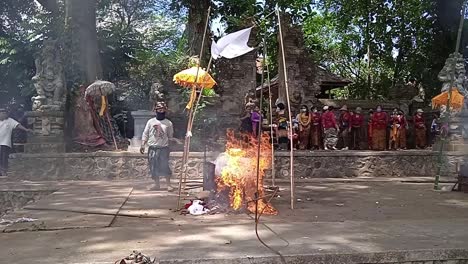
(158, 132)
(7, 125)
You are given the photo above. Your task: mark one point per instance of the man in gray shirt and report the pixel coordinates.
(158, 132)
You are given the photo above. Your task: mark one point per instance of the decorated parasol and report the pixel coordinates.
(456, 100)
(101, 89)
(194, 78)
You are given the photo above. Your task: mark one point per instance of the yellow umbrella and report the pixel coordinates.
(456, 102)
(194, 78)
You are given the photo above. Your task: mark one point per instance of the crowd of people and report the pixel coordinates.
(326, 129)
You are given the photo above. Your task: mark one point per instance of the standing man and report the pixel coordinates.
(330, 128)
(379, 129)
(157, 134)
(7, 125)
(357, 124)
(420, 129)
(345, 118)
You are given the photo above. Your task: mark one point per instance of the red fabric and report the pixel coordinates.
(398, 119)
(379, 120)
(316, 119)
(345, 119)
(357, 120)
(419, 121)
(329, 120)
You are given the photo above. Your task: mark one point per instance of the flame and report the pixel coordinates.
(239, 176)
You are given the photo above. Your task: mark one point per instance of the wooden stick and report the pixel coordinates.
(291, 143)
(185, 156)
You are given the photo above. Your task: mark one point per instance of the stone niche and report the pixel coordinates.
(48, 129)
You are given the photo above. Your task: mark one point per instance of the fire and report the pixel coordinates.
(239, 176)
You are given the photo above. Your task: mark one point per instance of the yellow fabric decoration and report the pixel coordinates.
(456, 102)
(103, 105)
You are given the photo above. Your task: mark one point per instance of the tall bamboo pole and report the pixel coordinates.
(290, 132)
(273, 171)
(188, 136)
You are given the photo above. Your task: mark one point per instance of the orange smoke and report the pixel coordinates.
(239, 176)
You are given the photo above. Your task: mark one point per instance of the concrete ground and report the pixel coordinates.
(100, 222)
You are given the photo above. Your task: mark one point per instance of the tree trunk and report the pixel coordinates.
(81, 22)
(196, 26)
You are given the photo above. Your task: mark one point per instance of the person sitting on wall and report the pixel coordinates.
(158, 133)
(7, 125)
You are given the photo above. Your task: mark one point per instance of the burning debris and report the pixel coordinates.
(236, 174)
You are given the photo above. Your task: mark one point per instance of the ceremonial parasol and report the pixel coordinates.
(456, 100)
(194, 78)
(101, 89)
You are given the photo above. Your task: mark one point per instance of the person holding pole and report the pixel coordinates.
(158, 133)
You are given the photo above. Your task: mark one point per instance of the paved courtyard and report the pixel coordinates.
(100, 222)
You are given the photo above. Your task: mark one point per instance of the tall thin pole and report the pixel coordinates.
(449, 99)
(291, 143)
(188, 136)
(273, 171)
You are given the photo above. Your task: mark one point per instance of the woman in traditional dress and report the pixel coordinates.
(369, 129)
(304, 119)
(379, 129)
(316, 129)
(420, 129)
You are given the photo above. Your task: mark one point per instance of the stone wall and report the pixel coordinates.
(345, 164)
(126, 165)
(93, 166)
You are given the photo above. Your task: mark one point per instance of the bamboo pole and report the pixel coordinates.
(291, 143)
(188, 136)
(449, 99)
(273, 172)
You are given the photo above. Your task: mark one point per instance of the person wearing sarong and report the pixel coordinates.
(256, 119)
(357, 124)
(420, 129)
(398, 129)
(379, 129)
(330, 128)
(304, 119)
(315, 129)
(158, 133)
(369, 129)
(7, 126)
(343, 136)
(246, 121)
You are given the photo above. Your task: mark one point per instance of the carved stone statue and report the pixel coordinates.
(455, 64)
(49, 80)
(296, 101)
(157, 93)
(250, 99)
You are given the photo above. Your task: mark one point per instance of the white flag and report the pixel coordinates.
(232, 45)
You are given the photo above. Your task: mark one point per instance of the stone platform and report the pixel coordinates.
(355, 222)
(319, 164)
